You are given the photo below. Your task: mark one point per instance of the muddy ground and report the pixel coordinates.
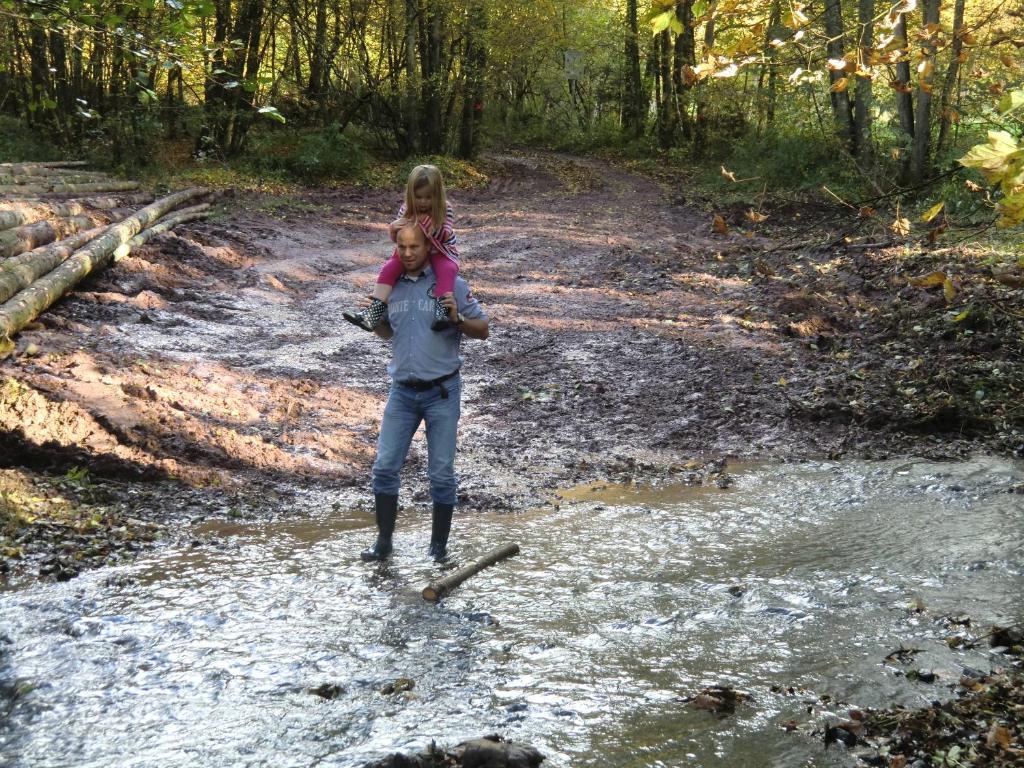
(211, 372)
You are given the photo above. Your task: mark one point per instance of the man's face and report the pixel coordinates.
(412, 249)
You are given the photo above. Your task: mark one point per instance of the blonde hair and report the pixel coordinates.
(427, 176)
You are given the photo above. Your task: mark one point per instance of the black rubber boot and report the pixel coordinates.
(442, 320)
(368, 318)
(386, 509)
(441, 526)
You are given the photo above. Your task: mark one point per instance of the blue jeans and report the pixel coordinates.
(405, 410)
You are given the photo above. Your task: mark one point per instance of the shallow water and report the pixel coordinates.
(583, 645)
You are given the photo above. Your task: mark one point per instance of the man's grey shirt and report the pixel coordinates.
(416, 351)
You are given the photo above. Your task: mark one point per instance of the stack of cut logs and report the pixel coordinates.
(51, 238)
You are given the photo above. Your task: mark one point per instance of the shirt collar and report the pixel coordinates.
(427, 272)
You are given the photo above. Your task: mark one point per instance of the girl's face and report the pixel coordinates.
(423, 198)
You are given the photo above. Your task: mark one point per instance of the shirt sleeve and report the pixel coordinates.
(467, 302)
(446, 235)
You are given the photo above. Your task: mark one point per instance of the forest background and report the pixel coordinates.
(858, 101)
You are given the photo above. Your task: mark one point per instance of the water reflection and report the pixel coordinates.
(622, 601)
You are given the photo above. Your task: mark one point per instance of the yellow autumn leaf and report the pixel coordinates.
(901, 226)
(993, 158)
(718, 224)
(900, 8)
(929, 280)
(756, 216)
(1011, 101)
(998, 735)
(660, 22)
(932, 212)
(795, 18)
(948, 289)
(840, 85)
(1011, 210)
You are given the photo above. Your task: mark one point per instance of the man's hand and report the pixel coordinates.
(447, 300)
(383, 329)
(475, 329)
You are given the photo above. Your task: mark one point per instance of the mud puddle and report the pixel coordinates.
(794, 583)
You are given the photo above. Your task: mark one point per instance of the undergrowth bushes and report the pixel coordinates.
(19, 143)
(316, 155)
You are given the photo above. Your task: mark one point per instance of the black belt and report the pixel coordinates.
(422, 386)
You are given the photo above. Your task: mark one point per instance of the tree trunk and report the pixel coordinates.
(952, 73)
(430, 69)
(318, 55)
(633, 93)
(15, 241)
(412, 107)
(920, 155)
(248, 29)
(41, 294)
(767, 81)
(700, 130)
(21, 271)
(40, 113)
(863, 96)
(904, 99)
(22, 180)
(215, 96)
(34, 167)
(166, 224)
(842, 110)
(61, 83)
(666, 129)
(17, 213)
(473, 89)
(58, 188)
(685, 56)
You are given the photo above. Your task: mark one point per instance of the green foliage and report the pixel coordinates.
(121, 141)
(308, 156)
(19, 143)
(458, 174)
(793, 162)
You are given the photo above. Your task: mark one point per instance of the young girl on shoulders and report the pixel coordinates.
(425, 203)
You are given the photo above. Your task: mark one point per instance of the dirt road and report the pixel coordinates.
(630, 341)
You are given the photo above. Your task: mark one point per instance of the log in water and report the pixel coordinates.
(438, 589)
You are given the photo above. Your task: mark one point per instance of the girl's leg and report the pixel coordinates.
(370, 317)
(388, 276)
(445, 272)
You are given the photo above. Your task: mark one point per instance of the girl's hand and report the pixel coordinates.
(396, 225)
